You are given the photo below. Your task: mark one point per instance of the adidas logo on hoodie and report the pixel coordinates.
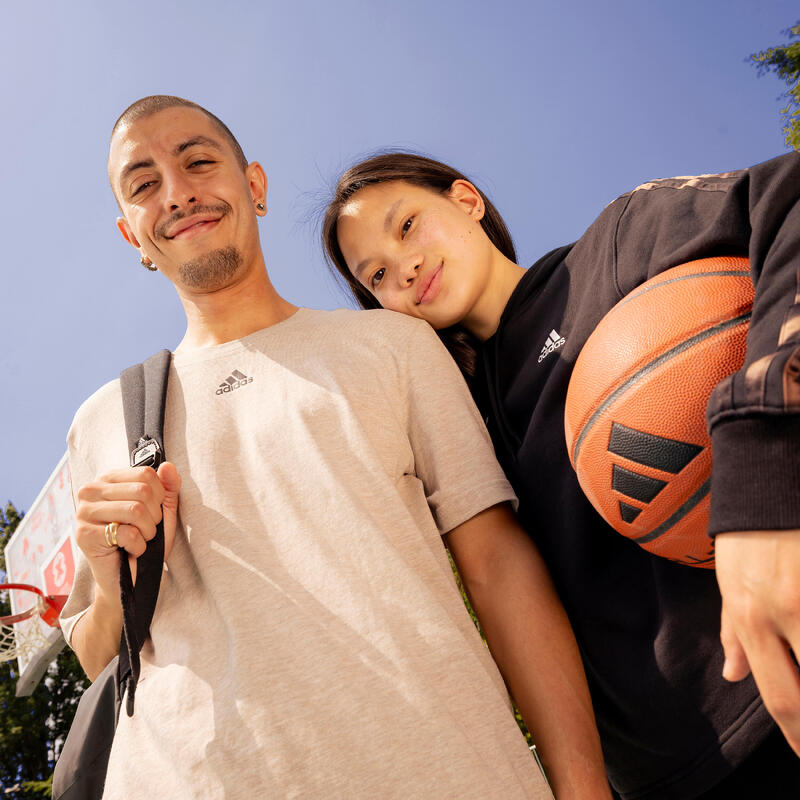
(554, 341)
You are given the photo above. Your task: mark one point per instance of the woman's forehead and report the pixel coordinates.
(382, 198)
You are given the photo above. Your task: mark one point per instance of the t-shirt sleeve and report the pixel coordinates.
(80, 598)
(82, 592)
(453, 454)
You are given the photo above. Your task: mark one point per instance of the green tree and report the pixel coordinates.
(784, 60)
(33, 728)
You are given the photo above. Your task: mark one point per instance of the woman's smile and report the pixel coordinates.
(429, 285)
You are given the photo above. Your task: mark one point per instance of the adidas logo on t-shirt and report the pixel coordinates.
(234, 381)
(554, 341)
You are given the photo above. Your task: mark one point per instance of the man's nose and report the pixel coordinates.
(179, 192)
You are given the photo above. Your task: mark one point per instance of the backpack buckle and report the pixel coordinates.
(147, 454)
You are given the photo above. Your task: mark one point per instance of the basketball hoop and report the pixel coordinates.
(28, 636)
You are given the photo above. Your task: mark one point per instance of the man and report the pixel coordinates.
(308, 640)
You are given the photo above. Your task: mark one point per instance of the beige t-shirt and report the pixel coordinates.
(309, 640)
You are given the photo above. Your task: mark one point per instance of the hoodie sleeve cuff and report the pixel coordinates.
(755, 479)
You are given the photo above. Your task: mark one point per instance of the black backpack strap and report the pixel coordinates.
(144, 394)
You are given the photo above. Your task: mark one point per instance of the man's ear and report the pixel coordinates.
(467, 198)
(257, 181)
(127, 233)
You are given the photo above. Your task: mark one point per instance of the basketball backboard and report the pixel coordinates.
(42, 552)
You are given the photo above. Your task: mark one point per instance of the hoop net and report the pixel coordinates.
(21, 635)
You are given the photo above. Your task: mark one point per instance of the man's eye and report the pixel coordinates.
(377, 277)
(406, 226)
(200, 162)
(141, 187)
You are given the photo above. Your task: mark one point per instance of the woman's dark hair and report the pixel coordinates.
(429, 174)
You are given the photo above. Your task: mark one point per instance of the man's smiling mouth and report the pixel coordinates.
(194, 227)
(183, 224)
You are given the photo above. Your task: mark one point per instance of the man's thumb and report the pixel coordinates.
(171, 481)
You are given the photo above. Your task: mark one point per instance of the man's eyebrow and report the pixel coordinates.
(195, 140)
(148, 162)
(133, 166)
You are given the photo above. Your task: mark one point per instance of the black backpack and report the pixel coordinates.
(81, 769)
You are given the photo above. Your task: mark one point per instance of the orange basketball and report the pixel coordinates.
(635, 415)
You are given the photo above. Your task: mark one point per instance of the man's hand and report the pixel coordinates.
(759, 578)
(133, 498)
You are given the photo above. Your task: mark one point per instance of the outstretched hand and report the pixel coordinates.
(759, 578)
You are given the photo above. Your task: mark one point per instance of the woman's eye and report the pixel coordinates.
(407, 225)
(377, 277)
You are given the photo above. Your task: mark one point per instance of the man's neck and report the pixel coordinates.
(232, 312)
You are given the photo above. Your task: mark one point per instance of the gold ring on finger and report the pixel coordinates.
(111, 534)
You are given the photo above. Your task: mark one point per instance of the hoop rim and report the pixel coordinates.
(47, 606)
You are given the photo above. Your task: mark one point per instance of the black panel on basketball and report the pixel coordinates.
(668, 455)
(634, 485)
(627, 512)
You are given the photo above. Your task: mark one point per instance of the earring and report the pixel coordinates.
(147, 264)
(261, 207)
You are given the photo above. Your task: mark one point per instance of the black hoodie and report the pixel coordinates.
(648, 629)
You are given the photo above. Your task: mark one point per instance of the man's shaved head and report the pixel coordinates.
(158, 102)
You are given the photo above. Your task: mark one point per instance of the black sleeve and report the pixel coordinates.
(754, 415)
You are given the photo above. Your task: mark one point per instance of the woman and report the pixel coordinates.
(415, 236)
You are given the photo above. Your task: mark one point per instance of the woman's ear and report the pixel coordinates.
(467, 198)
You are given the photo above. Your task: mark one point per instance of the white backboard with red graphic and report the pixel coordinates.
(58, 573)
(42, 552)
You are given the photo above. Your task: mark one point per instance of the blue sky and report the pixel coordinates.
(553, 107)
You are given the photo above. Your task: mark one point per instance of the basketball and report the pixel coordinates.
(635, 419)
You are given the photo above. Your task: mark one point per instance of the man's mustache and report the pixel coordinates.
(161, 229)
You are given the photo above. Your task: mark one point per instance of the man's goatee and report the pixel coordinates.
(212, 270)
